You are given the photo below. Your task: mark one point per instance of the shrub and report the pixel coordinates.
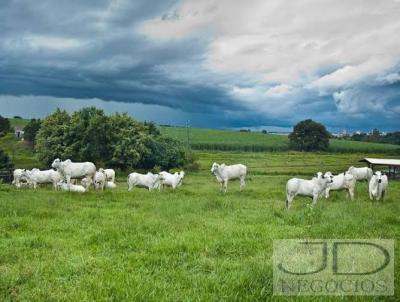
(4, 126)
(31, 129)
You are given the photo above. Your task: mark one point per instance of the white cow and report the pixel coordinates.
(70, 187)
(149, 180)
(361, 173)
(36, 176)
(69, 169)
(20, 177)
(99, 180)
(313, 188)
(377, 186)
(342, 181)
(85, 182)
(172, 180)
(224, 173)
(111, 185)
(110, 174)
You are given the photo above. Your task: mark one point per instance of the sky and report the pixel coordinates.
(215, 63)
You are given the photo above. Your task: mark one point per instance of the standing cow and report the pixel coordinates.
(36, 176)
(361, 173)
(313, 188)
(149, 180)
(377, 186)
(224, 173)
(20, 177)
(342, 181)
(69, 169)
(171, 180)
(100, 180)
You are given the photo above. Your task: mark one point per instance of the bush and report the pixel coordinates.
(115, 141)
(4, 126)
(31, 129)
(308, 135)
(5, 161)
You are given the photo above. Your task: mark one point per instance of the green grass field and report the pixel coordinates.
(224, 140)
(195, 243)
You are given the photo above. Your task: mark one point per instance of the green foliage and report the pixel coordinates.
(31, 129)
(308, 135)
(4, 125)
(5, 161)
(116, 141)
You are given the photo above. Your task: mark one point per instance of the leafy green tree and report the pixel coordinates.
(308, 135)
(31, 129)
(5, 161)
(52, 139)
(4, 126)
(115, 141)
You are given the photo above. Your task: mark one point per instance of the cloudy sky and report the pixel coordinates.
(217, 63)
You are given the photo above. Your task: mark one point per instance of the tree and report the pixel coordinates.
(308, 135)
(5, 161)
(31, 129)
(114, 141)
(4, 126)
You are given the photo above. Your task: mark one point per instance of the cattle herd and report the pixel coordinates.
(64, 174)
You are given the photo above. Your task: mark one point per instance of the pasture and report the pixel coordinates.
(225, 140)
(195, 243)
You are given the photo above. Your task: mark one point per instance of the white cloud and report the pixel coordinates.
(279, 90)
(288, 41)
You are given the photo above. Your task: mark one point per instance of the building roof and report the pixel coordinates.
(382, 161)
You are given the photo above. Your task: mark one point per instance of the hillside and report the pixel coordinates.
(225, 140)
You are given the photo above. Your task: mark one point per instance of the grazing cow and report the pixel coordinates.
(377, 186)
(149, 180)
(224, 173)
(110, 174)
(70, 187)
(361, 173)
(69, 169)
(20, 177)
(342, 181)
(313, 188)
(99, 180)
(171, 180)
(110, 185)
(36, 176)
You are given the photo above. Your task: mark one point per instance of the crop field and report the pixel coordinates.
(224, 140)
(194, 243)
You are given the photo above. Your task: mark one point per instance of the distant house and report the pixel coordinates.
(19, 132)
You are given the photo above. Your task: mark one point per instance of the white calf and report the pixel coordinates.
(224, 173)
(171, 180)
(149, 180)
(361, 173)
(110, 174)
(313, 188)
(36, 176)
(99, 180)
(110, 185)
(377, 186)
(342, 181)
(20, 177)
(70, 187)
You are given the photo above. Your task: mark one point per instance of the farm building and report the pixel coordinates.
(19, 132)
(393, 165)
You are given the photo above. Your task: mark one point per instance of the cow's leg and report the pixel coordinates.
(68, 179)
(289, 200)
(315, 198)
(225, 185)
(327, 193)
(242, 183)
(34, 185)
(351, 193)
(383, 194)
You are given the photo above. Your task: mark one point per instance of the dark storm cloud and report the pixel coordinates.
(177, 55)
